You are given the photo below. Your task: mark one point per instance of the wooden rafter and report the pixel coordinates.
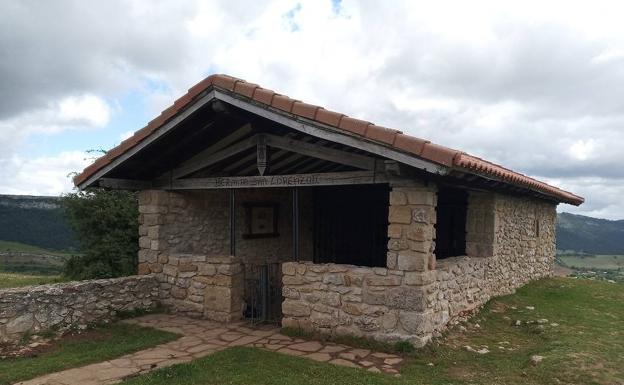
(325, 153)
(206, 159)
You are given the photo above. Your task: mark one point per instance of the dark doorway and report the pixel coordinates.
(451, 222)
(351, 224)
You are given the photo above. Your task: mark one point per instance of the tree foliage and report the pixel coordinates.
(106, 226)
(37, 221)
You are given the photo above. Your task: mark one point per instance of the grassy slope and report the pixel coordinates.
(36, 262)
(18, 280)
(593, 261)
(108, 342)
(24, 248)
(586, 348)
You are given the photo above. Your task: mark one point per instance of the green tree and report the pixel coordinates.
(106, 226)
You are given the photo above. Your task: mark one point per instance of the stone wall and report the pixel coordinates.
(74, 304)
(509, 241)
(185, 242)
(373, 302)
(202, 286)
(387, 304)
(523, 249)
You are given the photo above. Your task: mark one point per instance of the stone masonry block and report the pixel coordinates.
(145, 242)
(416, 322)
(419, 232)
(412, 261)
(295, 308)
(417, 278)
(400, 214)
(219, 298)
(397, 198)
(395, 231)
(289, 268)
(406, 298)
(420, 197)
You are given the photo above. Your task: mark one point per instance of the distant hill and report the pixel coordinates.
(589, 235)
(35, 220)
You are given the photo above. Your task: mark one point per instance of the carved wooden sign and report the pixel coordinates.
(292, 180)
(268, 181)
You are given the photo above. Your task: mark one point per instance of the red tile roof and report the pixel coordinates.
(396, 139)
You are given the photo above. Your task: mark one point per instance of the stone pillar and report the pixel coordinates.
(153, 208)
(480, 224)
(411, 231)
(224, 288)
(411, 228)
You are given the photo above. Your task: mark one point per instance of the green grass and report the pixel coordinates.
(609, 262)
(586, 348)
(26, 259)
(103, 343)
(18, 279)
(245, 366)
(7, 246)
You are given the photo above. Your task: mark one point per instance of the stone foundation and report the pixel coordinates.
(74, 304)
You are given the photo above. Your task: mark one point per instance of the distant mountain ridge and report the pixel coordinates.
(589, 235)
(35, 220)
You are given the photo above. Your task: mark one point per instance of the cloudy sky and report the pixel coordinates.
(536, 86)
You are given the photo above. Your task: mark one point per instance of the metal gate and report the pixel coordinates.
(263, 293)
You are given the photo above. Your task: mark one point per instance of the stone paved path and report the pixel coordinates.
(201, 338)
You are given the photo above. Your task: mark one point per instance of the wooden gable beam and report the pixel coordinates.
(125, 184)
(325, 153)
(205, 159)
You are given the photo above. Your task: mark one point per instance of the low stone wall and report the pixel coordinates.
(374, 302)
(201, 286)
(73, 304)
(510, 241)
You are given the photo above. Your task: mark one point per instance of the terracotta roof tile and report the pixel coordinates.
(169, 112)
(182, 101)
(410, 144)
(381, 134)
(389, 137)
(330, 118)
(200, 87)
(282, 102)
(355, 126)
(264, 96)
(245, 89)
(225, 81)
(439, 154)
(304, 109)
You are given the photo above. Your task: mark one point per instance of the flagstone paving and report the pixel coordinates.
(201, 338)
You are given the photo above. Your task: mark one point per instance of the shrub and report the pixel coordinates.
(106, 226)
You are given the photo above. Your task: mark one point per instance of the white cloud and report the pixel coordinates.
(87, 109)
(531, 85)
(582, 149)
(49, 175)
